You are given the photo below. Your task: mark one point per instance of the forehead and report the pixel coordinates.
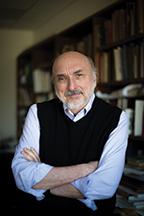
(70, 63)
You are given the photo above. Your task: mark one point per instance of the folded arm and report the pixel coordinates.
(58, 178)
(82, 180)
(35, 177)
(67, 190)
(104, 181)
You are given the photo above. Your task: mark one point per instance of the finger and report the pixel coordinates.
(35, 153)
(29, 154)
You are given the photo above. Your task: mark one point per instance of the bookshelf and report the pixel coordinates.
(78, 37)
(33, 78)
(114, 38)
(118, 33)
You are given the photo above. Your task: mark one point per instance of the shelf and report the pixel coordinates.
(131, 39)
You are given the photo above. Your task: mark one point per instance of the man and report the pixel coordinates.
(71, 154)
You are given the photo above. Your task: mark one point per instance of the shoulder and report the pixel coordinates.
(124, 117)
(48, 104)
(105, 106)
(32, 110)
(48, 109)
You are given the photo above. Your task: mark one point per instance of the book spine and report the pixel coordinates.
(138, 119)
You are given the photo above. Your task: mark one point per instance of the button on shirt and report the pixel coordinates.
(101, 184)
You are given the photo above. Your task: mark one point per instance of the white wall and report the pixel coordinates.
(12, 43)
(72, 14)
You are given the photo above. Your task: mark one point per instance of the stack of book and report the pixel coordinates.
(132, 185)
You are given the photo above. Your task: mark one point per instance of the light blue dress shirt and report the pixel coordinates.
(101, 184)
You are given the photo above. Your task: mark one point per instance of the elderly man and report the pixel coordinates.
(71, 153)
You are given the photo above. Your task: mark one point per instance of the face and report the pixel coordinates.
(74, 80)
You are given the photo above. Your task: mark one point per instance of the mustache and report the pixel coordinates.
(73, 92)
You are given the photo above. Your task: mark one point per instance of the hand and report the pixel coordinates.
(30, 154)
(93, 164)
(89, 167)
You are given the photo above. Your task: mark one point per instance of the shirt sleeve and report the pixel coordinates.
(104, 181)
(28, 173)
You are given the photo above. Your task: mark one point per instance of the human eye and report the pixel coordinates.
(79, 75)
(61, 78)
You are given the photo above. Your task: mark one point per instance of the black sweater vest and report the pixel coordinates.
(64, 142)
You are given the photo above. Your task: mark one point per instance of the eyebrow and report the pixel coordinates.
(63, 74)
(57, 75)
(78, 71)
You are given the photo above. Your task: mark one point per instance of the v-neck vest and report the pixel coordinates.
(64, 142)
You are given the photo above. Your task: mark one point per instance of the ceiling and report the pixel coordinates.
(29, 14)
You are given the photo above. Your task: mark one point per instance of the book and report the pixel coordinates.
(41, 80)
(138, 117)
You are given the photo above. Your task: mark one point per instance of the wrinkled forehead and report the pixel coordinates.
(70, 62)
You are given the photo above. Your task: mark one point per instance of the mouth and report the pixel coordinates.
(74, 95)
(71, 93)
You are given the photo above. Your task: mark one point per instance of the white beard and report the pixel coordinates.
(77, 105)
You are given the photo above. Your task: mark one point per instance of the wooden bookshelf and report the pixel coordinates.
(114, 39)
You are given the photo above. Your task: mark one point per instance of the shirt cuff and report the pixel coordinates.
(89, 203)
(81, 184)
(29, 177)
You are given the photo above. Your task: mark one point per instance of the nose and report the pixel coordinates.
(71, 84)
